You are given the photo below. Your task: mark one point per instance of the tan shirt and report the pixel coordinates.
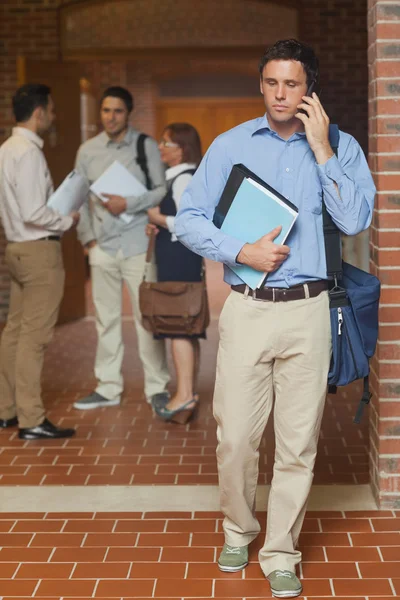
(25, 187)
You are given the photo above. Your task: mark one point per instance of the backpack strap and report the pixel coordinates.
(141, 159)
(332, 235)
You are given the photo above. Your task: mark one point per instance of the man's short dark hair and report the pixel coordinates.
(293, 50)
(116, 91)
(27, 98)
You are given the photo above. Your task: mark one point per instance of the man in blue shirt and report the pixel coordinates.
(275, 344)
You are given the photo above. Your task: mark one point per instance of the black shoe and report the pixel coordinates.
(4, 423)
(45, 431)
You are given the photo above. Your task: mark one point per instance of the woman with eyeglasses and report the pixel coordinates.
(180, 150)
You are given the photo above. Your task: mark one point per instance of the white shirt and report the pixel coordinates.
(178, 187)
(25, 187)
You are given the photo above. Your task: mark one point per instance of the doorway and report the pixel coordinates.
(60, 149)
(210, 116)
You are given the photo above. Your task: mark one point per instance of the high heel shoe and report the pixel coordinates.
(180, 415)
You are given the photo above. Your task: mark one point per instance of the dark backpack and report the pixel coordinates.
(141, 159)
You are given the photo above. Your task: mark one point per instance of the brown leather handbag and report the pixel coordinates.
(173, 307)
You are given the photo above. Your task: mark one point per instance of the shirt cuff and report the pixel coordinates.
(331, 171)
(229, 250)
(131, 204)
(67, 223)
(170, 223)
(86, 236)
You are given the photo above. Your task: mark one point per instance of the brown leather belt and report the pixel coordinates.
(310, 289)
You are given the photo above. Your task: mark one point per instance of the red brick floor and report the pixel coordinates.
(172, 555)
(127, 445)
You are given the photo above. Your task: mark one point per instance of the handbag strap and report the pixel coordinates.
(149, 254)
(332, 235)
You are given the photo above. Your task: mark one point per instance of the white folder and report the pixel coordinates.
(119, 181)
(70, 195)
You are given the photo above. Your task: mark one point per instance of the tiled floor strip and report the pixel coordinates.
(172, 555)
(176, 498)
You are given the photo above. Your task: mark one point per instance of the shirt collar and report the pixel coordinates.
(125, 142)
(29, 135)
(177, 169)
(262, 123)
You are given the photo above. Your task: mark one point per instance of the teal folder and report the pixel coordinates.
(254, 211)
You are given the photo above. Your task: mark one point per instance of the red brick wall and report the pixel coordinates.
(384, 140)
(121, 24)
(337, 30)
(29, 28)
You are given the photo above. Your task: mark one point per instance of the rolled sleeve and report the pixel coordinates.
(331, 171)
(351, 201)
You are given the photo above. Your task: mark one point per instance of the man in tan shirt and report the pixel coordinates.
(34, 260)
(117, 251)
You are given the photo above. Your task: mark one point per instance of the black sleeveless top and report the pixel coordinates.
(174, 261)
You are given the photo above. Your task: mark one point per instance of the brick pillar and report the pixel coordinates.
(384, 148)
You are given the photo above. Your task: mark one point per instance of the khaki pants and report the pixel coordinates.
(37, 286)
(269, 350)
(108, 274)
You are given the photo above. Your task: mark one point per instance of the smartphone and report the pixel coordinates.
(312, 88)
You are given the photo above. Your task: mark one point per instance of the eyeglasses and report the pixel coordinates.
(168, 144)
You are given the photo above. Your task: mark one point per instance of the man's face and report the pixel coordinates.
(283, 83)
(114, 116)
(45, 117)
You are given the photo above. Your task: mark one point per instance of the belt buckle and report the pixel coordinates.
(254, 296)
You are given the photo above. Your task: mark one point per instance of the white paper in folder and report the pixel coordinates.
(119, 181)
(70, 195)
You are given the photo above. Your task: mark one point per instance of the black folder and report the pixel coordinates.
(236, 176)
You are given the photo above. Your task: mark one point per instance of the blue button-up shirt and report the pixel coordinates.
(290, 167)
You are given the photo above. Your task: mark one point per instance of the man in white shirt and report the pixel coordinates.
(34, 259)
(117, 249)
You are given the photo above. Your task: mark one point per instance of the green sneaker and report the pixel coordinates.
(233, 558)
(284, 584)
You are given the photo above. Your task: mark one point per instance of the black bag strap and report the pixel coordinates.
(141, 159)
(332, 235)
(365, 399)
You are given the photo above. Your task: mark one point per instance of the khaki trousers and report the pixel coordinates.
(270, 350)
(108, 274)
(37, 286)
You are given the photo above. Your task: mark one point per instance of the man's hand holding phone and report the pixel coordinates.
(316, 125)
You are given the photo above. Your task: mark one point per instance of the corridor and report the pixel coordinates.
(128, 508)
